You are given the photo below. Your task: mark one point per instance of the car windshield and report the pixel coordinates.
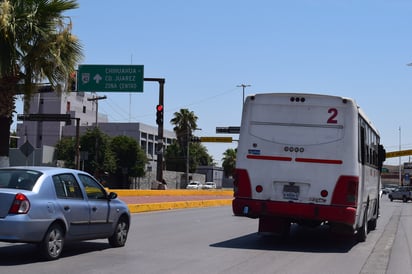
(18, 178)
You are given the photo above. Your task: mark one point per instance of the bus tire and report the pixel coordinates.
(372, 224)
(362, 232)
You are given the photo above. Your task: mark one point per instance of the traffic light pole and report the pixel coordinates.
(159, 152)
(48, 117)
(77, 143)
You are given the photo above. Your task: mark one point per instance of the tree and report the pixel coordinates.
(199, 156)
(175, 158)
(130, 158)
(36, 45)
(229, 161)
(121, 155)
(101, 158)
(66, 150)
(185, 122)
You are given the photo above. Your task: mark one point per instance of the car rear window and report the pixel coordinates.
(18, 178)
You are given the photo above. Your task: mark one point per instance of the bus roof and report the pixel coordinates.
(360, 110)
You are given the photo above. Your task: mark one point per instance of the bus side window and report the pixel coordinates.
(362, 145)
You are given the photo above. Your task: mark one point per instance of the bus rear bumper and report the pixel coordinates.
(294, 211)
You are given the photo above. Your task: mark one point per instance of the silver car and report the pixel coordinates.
(403, 193)
(48, 206)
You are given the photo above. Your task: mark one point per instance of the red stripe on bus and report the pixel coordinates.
(258, 208)
(271, 158)
(319, 161)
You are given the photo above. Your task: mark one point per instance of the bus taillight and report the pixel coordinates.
(259, 188)
(346, 191)
(242, 187)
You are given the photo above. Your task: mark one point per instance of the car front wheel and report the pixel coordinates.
(53, 242)
(119, 236)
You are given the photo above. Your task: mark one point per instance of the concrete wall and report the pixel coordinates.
(174, 180)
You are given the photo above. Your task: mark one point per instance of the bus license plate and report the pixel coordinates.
(290, 192)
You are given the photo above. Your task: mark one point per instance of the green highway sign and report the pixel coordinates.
(107, 78)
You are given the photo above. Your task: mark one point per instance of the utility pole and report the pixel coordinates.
(243, 86)
(400, 161)
(189, 133)
(96, 100)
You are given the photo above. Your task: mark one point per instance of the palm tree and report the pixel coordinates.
(184, 124)
(36, 45)
(229, 161)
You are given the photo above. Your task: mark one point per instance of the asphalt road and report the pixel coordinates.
(211, 240)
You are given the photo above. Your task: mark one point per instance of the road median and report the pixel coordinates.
(155, 200)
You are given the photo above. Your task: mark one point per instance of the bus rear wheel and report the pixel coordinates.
(362, 231)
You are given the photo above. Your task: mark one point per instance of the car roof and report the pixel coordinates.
(44, 169)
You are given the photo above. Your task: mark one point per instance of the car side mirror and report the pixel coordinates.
(112, 195)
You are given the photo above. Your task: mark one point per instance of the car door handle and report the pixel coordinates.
(67, 208)
(94, 209)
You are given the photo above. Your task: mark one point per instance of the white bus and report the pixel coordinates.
(308, 159)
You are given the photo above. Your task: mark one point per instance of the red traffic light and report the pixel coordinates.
(159, 107)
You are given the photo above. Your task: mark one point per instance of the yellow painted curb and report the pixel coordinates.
(137, 208)
(172, 192)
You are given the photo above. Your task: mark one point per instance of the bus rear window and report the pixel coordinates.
(293, 125)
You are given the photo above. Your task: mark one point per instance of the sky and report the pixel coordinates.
(206, 49)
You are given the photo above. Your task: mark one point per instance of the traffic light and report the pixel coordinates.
(159, 114)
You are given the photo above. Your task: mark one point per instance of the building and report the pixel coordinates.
(78, 105)
(84, 106)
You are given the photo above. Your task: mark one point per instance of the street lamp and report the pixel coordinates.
(243, 86)
(187, 151)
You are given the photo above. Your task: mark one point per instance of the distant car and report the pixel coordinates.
(194, 185)
(49, 206)
(209, 185)
(403, 193)
(388, 189)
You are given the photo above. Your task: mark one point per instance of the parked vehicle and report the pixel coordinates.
(403, 193)
(389, 188)
(194, 185)
(209, 185)
(49, 206)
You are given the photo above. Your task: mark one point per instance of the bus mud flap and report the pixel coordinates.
(274, 226)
